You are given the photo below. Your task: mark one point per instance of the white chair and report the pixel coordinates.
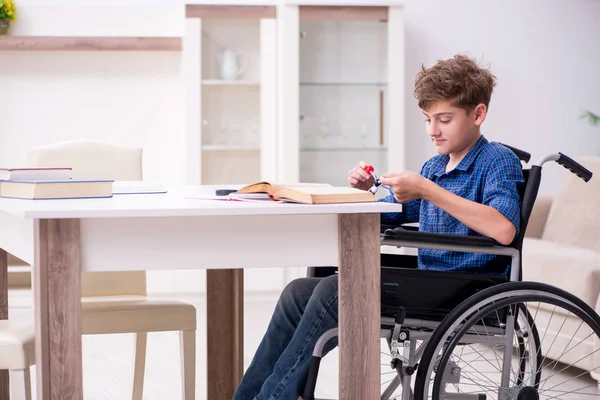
(117, 302)
(17, 354)
(19, 273)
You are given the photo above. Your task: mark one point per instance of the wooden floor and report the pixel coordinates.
(108, 359)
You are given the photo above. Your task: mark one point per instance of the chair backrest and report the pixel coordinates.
(97, 160)
(90, 159)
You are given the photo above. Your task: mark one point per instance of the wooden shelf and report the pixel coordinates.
(72, 43)
(229, 11)
(218, 82)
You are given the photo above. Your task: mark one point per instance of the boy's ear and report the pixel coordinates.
(479, 114)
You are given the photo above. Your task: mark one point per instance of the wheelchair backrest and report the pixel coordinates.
(528, 192)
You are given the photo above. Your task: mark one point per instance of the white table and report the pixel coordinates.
(60, 238)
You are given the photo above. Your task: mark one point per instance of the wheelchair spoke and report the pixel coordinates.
(570, 365)
(572, 392)
(554, 341)
(565, 351)
(487, 389)
(546, 331)
(485, 376)
(568, 380)
(390, 372)
(387, 382)
(488, 334)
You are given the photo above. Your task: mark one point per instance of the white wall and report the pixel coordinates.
(131, 98)
(544, 53)
(546, 56)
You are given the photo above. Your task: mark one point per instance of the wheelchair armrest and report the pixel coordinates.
(412, 235)
(385, 228)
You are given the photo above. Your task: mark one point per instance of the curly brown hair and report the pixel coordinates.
(458, 80)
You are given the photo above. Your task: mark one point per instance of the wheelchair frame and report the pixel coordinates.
(403, 333)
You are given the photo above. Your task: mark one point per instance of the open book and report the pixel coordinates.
(307, 193)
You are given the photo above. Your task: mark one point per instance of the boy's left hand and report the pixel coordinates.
(406, 185)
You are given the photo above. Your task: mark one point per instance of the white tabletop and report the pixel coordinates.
(173, 204)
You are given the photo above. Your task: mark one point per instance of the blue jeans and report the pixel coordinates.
(307, 308)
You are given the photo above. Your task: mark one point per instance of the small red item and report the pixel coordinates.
(369, 169)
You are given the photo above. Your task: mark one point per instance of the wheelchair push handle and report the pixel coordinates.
(569, 164)
(574, 167)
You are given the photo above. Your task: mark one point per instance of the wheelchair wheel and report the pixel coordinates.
(474, 354)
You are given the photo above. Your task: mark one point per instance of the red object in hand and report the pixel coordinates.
(369, 169)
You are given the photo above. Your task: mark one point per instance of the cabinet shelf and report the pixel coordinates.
(219, 82)
(75, 43)
(228, 147)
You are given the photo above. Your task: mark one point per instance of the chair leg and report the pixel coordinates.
(141, 338)
(20, 384)
(187, 346)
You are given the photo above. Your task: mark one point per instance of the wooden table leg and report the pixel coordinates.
(225, 331)
(4, 386)
(57, 293)
(359, 306)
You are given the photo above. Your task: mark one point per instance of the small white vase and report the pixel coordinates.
(229, 68)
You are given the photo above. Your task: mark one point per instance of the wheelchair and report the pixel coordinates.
(469, 336)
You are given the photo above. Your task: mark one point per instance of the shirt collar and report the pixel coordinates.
(467, 160)
(438, 167)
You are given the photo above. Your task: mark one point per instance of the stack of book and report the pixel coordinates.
(50, 183)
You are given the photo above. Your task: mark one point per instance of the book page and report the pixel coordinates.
(327, 190)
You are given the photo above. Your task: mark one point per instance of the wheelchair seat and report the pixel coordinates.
(429, 295)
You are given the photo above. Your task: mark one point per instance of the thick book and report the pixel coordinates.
(8, 174)
(308, 193)
(57, 189)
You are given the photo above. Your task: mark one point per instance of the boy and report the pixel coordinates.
(469, 188)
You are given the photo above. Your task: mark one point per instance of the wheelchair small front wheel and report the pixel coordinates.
(514, 341)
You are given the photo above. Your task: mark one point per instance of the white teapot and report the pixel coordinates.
(228, 65)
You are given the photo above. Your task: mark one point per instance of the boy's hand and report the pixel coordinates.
(406, 185)
(358, 177)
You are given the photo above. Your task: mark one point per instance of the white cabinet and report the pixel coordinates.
(347, 64)
(320, 87)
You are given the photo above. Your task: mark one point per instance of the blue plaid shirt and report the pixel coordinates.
(489, 174)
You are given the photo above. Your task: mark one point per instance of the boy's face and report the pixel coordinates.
(451, 129)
